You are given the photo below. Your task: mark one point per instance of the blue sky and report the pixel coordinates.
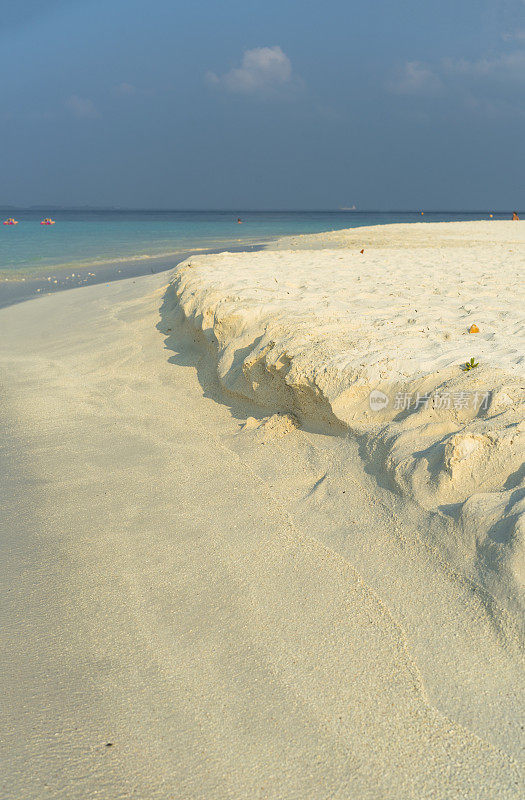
(289, 104)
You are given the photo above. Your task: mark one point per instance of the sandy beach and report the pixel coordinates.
(265, 532)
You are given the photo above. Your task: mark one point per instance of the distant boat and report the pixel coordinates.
(11, 221)
(48, 221)
(348, 208)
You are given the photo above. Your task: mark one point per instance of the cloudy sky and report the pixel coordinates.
(388, 104)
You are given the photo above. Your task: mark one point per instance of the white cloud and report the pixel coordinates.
(415, 78)
(81, 106)
(125, 88)
(263, 69)
(517, 35)
(508, 66)
(486, 84)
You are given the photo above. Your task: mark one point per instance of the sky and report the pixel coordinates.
(385, 104)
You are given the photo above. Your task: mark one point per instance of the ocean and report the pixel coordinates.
(87, 246)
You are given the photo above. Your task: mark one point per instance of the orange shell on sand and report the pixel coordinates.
(473, 329)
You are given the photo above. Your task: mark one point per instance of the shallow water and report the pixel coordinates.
(93, 246)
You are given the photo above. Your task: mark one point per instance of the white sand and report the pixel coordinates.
(315, 332)
(231, 601)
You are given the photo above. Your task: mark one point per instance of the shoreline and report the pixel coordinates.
(18, 290)
(22, 283)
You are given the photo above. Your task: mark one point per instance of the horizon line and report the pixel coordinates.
(237, 211)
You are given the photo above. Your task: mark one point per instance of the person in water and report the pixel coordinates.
(239, 221)
(515, 216)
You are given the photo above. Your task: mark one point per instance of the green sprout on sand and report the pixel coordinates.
(470, 365)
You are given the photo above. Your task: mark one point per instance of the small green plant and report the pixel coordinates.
(470, 365)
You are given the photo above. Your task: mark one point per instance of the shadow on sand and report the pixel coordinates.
(191, 349)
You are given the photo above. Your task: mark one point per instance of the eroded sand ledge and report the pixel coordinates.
(313, 332)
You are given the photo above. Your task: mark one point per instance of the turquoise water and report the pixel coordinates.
(95, 237)
(103, 245)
